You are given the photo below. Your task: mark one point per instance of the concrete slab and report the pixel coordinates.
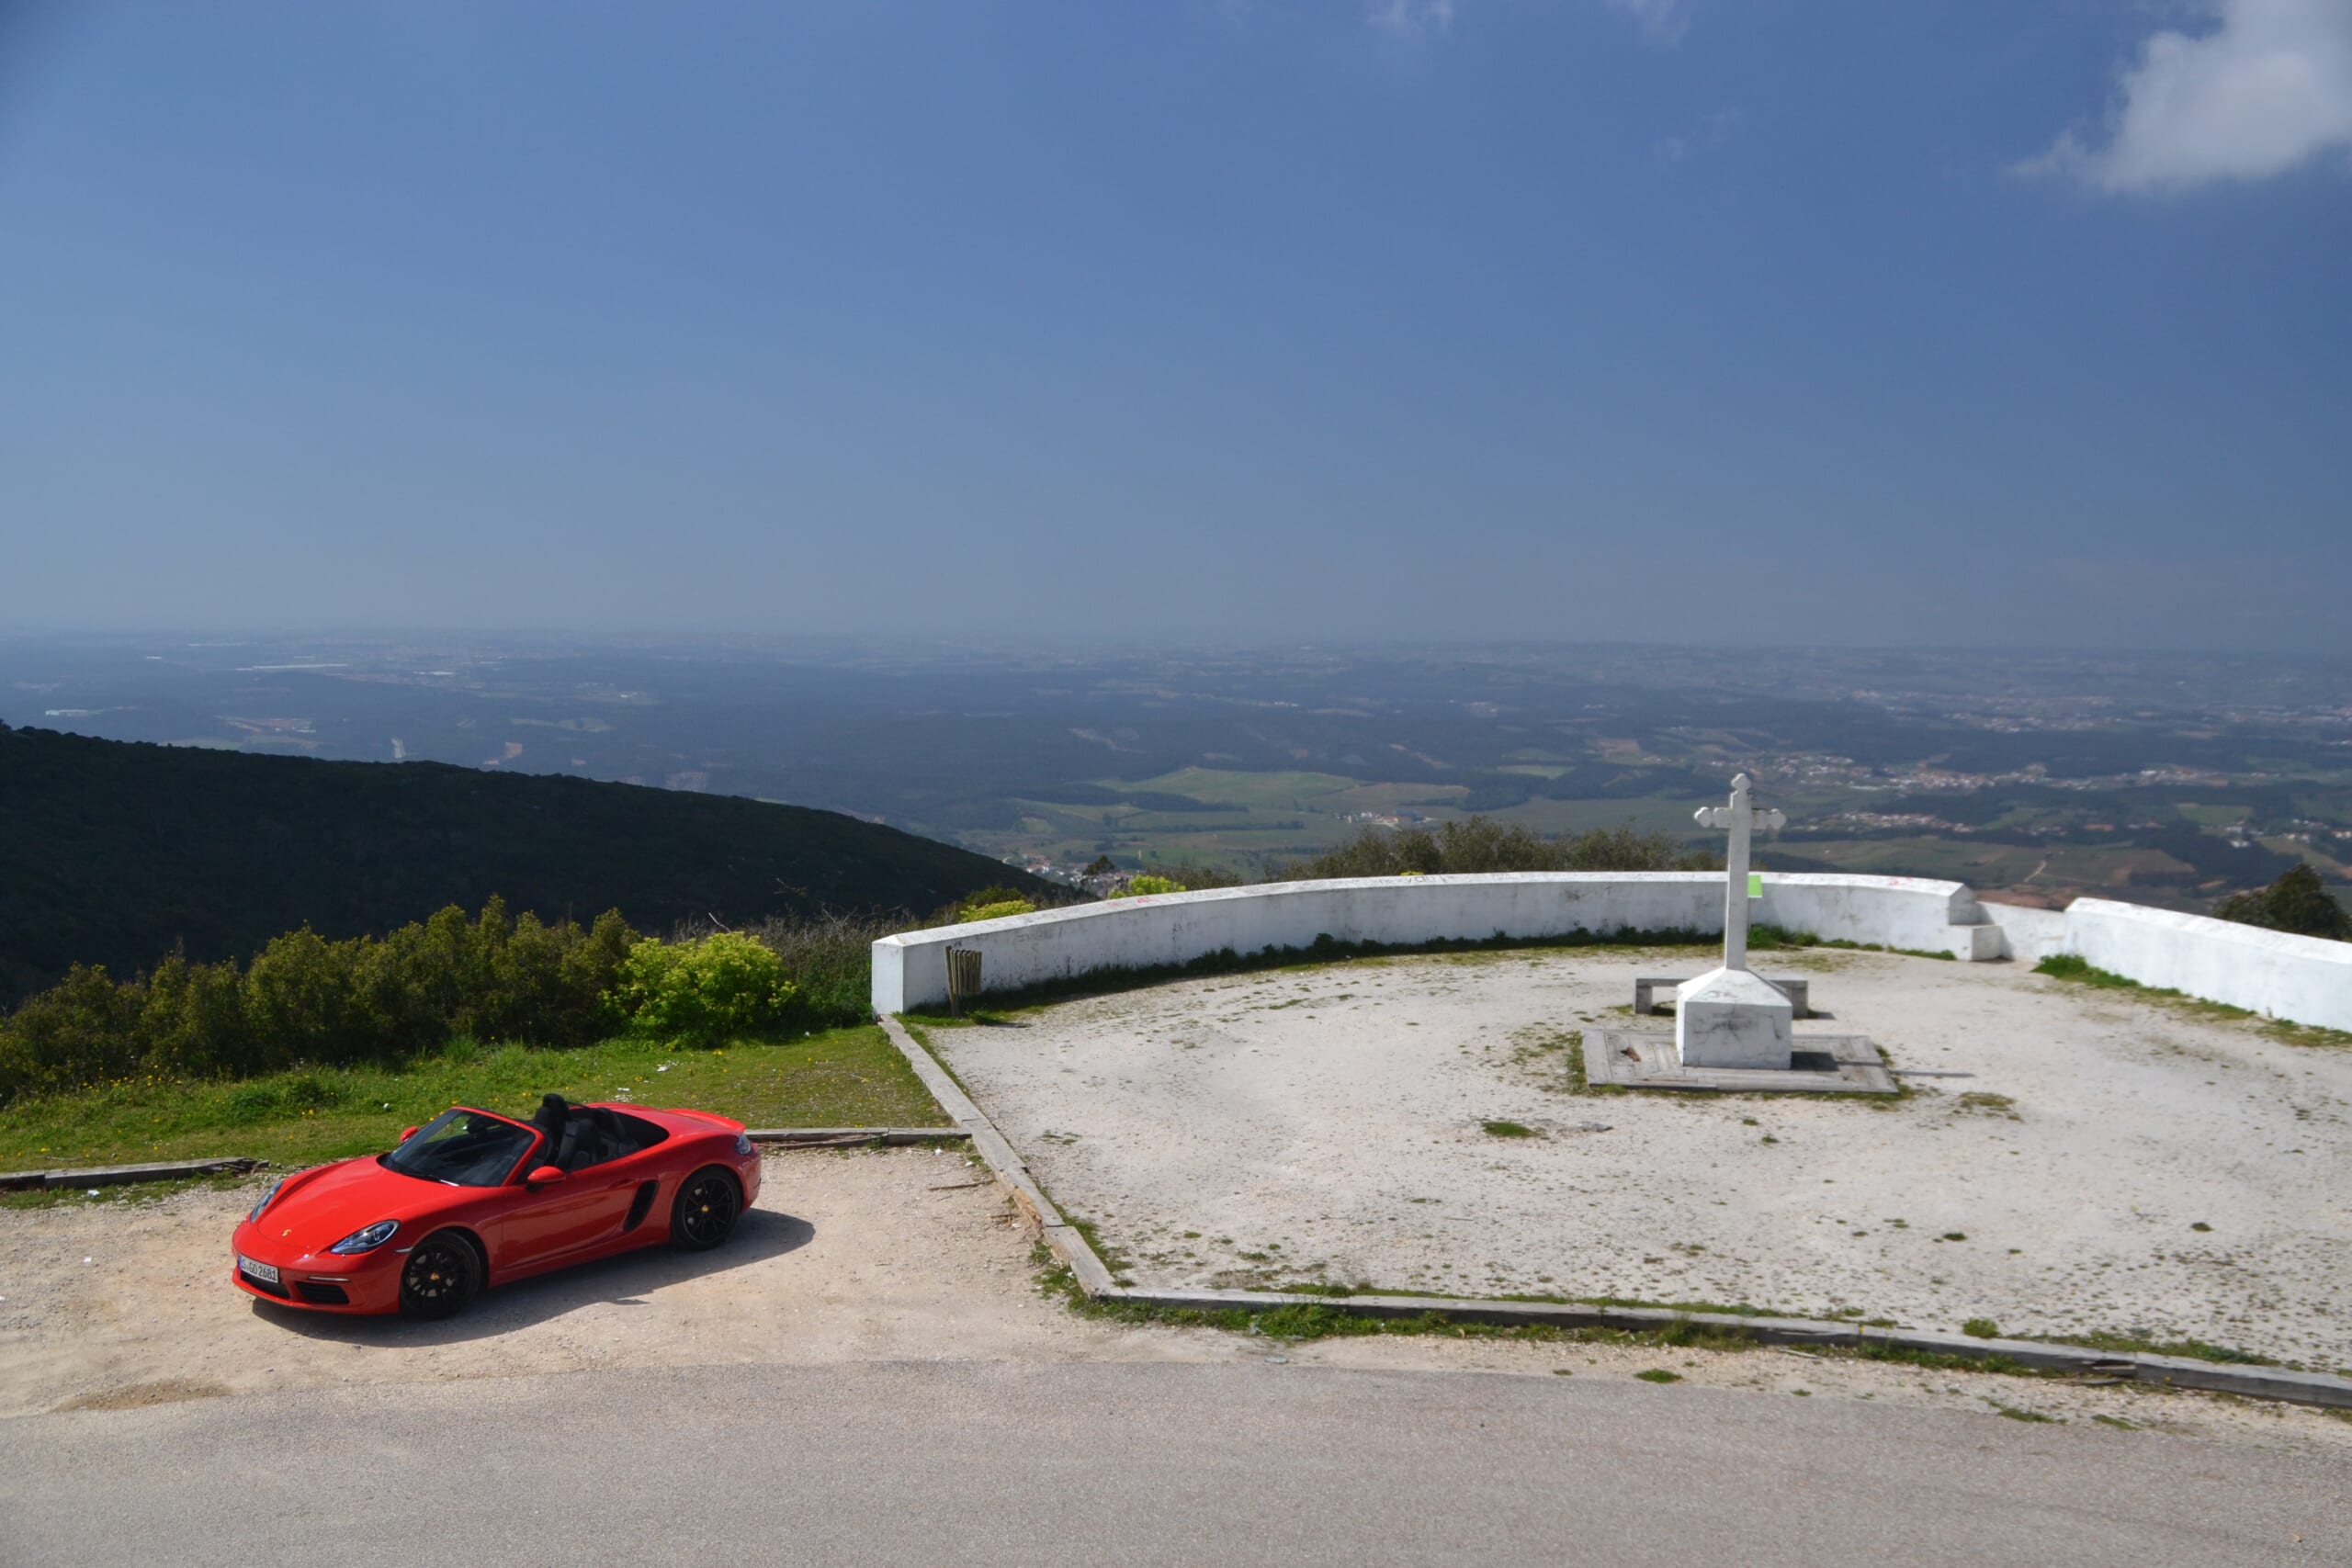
(1819, 1063)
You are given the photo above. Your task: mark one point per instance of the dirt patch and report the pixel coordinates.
(135, 1395)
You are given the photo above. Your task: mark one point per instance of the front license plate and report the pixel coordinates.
(264, 1273)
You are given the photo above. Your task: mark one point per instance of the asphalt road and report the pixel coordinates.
(1128, 1463)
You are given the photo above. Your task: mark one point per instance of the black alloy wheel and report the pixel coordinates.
(705, 1213)
(440, 1276)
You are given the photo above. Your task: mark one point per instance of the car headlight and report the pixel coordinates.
(366, 1240)
(266, 1194)
(742, 1143)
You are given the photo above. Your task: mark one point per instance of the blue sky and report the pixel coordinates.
(1790, 321)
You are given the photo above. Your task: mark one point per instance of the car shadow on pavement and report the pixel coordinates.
(621, 1281)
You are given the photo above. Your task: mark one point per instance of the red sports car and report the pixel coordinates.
(472, 1200)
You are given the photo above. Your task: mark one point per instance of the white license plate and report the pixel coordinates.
(264, 1273)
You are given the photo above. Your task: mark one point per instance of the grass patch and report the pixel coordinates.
(1980, 1328)
(1842, 944)
(1658, 1374)
(2011, 1412)
(838, 1077)
(2138, 1345)
(1509, 1130)
(1578, 1083)
(2074, 968)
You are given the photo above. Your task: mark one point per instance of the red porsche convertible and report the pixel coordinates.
(472, 1200)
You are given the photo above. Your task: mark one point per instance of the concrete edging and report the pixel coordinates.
(851, 1137)
(239, 1165)
(120, 1175)
(1095, 1278)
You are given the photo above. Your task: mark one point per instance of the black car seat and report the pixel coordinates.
(551, 1121)
(590, 1137)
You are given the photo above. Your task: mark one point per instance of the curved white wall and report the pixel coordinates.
(2306, 979)
(911, 969)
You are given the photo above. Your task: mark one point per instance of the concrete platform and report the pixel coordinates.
(1821, 1064)
(2115, 1164)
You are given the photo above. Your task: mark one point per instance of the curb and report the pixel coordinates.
(118, 1175)
(238, 1165)
(851, 1137)
(1072, 1247)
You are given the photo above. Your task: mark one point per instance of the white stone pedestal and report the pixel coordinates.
(1729, 1017)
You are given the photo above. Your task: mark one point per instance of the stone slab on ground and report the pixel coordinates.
(1819, 1063)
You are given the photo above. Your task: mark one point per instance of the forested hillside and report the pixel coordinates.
(112, 852)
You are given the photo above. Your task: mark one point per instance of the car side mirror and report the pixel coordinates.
(544, 1176)
(406, 1134)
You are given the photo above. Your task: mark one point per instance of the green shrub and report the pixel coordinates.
(1980, 1328)
(830, 960)
(1481, 846)
(995, 912)
(306, 999)
(706, 992)
(2297, 902)
(1145, 884)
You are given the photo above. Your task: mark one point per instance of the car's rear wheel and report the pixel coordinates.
(439, 1276)
(706, 1210)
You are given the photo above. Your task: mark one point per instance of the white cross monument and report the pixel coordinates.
(1729, 1017)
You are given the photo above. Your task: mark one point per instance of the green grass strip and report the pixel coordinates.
(837, 1077)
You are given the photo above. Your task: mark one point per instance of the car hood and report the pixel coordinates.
(317, 1209)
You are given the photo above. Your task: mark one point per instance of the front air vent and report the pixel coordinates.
(318, 1293)
(267, 1287)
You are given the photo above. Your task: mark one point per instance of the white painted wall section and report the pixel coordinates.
(2027, 935)
(2305, 979)
(911, 969)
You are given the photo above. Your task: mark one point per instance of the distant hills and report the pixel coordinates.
(113, 851)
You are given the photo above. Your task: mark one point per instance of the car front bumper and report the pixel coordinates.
(369, 1283)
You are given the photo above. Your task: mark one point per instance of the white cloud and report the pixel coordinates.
(1661, 21)
(1711, 131)
(1410, 18)
(2268, 87)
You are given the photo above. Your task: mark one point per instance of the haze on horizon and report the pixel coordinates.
(1427, 319)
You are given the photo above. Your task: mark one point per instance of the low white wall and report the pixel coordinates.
(2306, 979)
(2029, 935)
(911, 969)
(1887, 911)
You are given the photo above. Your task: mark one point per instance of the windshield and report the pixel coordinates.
(471, 1148)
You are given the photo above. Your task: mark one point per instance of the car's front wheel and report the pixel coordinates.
(440, 1276)
(706, 1210)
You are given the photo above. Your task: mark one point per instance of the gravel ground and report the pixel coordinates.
(2112, 1165)
(849, 1258)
